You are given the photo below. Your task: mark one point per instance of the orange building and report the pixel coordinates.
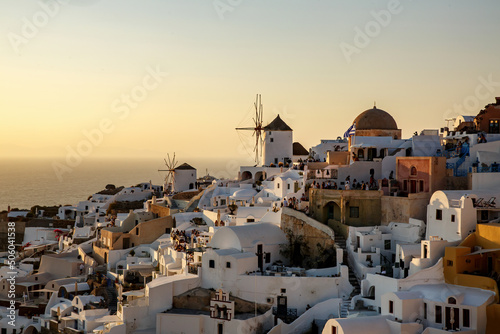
(476, 263)
(488, 119)
(420, 174)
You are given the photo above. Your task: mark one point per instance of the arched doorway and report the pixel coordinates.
(246, 175)
(260, 176)
(31, 330)
(331, 211)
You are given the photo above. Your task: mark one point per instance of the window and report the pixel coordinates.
(167, 230)
(449, 263)
(439, 214)
(368, 258)
(452, 300)
(361, 154)
(271, 140)
(439, 316)
(494, 126)
(391, 307)
(250, 220)
(421, 185)
(387, 244)
(425, 310)
(278, 185)
(334, 329)
(413, 171)
(288, 186)
(354, 211)
(228, 264)
(484, 215)
(275, 160)
(137, 231)
(220, 328)
(268, 257)
(466, 317)
(283, 290)
(452, 218)
(222, 202)
(211, 263)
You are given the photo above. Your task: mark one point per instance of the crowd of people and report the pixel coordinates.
(355, 185)
(180, 239)
(292, 203)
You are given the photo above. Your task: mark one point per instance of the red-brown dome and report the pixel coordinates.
(375, 119)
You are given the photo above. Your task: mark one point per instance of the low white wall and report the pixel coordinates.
(328, 309)
(299, 290)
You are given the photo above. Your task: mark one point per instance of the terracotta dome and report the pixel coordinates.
(375, 119)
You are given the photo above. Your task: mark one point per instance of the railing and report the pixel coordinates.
(455, 166)
(487, 169)
(291, 314)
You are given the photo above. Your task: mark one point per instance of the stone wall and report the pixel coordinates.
(317, 240)
(161, 211)
(401, 209)
(350, 207)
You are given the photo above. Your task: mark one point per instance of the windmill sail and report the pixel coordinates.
(257, 129)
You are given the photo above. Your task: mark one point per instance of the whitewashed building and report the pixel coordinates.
(278, 143)
(184, 178)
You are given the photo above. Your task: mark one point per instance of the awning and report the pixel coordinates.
(144, 272)
(482, 251)
(27, 284)
(44, 290)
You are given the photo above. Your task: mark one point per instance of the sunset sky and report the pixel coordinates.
(190, 70)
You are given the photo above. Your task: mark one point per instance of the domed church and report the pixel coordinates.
(376, 123)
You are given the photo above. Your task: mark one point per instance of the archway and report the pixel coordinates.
(31, 329)
(260, 176)
(246, 175)
(331, 210)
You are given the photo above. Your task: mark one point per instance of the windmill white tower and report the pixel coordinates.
(170, 177)
(257, 129)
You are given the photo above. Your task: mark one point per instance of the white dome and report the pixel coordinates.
(244, 194)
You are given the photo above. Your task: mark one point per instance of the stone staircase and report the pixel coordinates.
(346, 304)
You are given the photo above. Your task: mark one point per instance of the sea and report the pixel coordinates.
(25, 183)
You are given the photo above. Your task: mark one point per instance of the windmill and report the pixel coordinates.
(170, 177)
(257, 129)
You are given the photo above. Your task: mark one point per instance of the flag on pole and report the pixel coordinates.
(351, 131)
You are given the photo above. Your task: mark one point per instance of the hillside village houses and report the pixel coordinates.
(371, 232)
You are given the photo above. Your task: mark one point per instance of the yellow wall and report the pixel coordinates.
(488, 235)
(458, 263)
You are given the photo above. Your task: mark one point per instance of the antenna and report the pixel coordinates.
(257, 129)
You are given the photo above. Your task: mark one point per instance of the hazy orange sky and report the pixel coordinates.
(68, 68)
